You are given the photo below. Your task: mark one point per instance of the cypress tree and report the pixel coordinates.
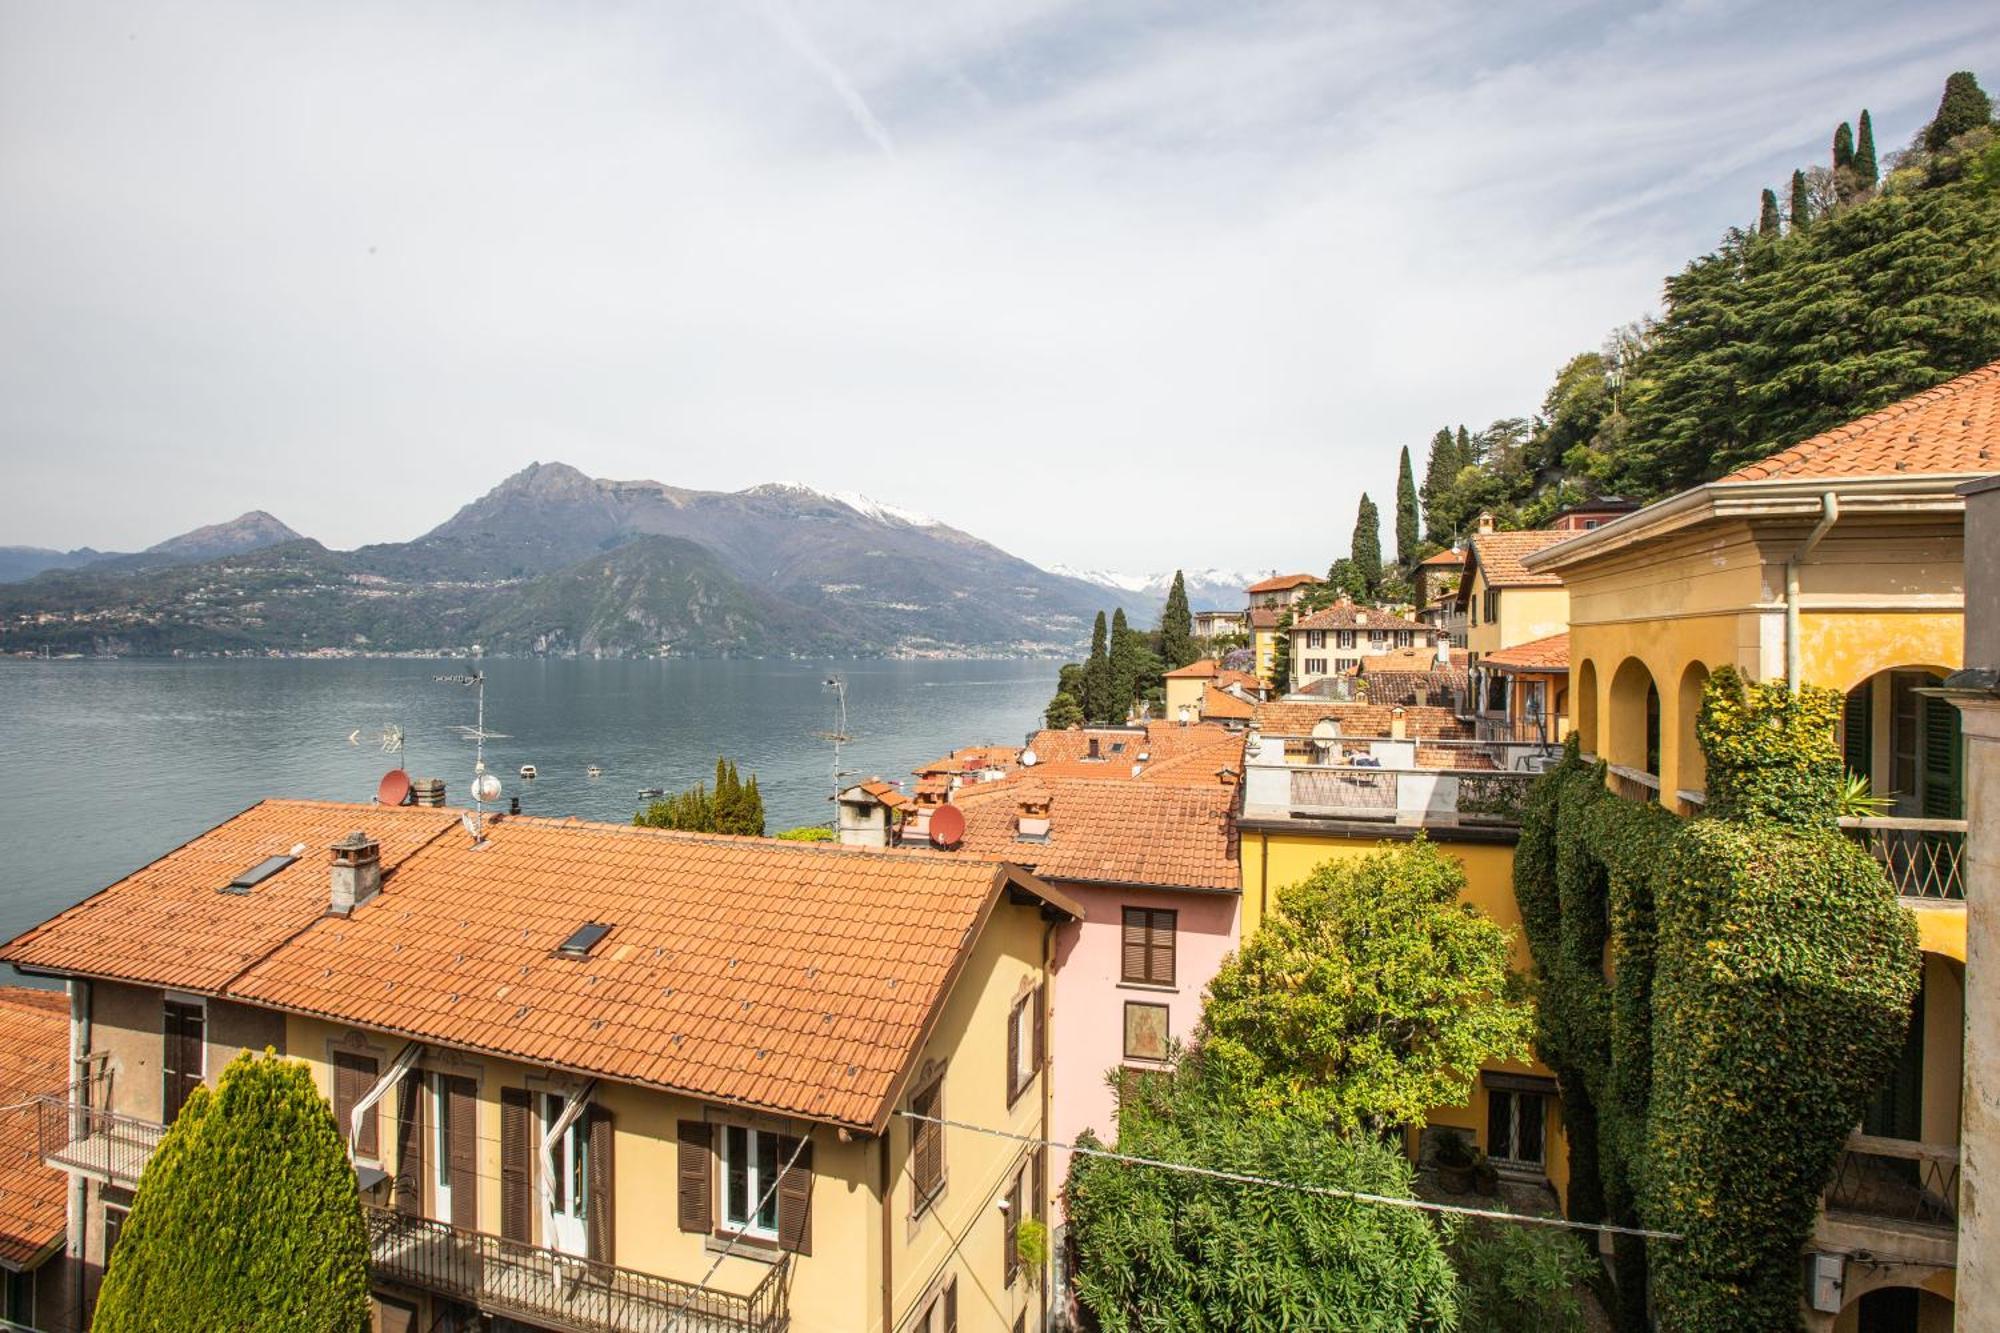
(1097, 675)
(1367, 547)
(246, 1216)
(1866, 174)
(753, 809)
(1439, 472)
(1843, 147)
(1177, 626)
(1124, 667)
(1406, 513)
(1801, 202)
(1964, 106)
(1767, 216)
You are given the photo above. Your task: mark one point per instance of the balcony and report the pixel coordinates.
(1433, 796)
(1896, 1180)
(563, 1291)
(1924, 858)
(90, 1142)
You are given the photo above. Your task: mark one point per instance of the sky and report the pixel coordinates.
(1116, 285)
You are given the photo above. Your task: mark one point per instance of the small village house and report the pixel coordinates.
(35, 1287)
(1335, 641)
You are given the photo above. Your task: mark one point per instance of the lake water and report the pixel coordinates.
(110, 764)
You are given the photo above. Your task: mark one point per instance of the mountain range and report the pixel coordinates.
(1207, 589)
(554, 561)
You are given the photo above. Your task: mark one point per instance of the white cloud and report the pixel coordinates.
(1124, 286)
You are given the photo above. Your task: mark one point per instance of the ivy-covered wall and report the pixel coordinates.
(1718, 998)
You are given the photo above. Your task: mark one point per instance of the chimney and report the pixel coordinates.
(1486, 520)
(1093, 749)
(1444, 650)
(1031, 822)
(1398, 724)
(357, 872)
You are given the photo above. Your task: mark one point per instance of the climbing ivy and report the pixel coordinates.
(1760, 976)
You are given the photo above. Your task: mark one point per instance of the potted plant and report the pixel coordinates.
(1455, 1159)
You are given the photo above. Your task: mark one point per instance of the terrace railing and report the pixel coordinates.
(96, 1143)
(1413, 796)
(1896, 1180)
(1924, 858)
(564, 1291)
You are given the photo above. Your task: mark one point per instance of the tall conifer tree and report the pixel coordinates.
(1866, 173)
(1843, 162)
(1767, 215)
(1801, 202)
(1177, 626)
(1097, 675)
(1407, 531)
(1965, 106)
(1367, 547)
(1439, 472)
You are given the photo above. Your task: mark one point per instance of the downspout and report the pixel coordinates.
(888, 1236)
(1042, 1186)
(79, 1066)
(1263, 877)
(1829, 512)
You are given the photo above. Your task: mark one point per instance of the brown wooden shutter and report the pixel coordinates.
(462, 1105)
(410, 1144)
(1041, 1051)
(697, 1194)
(1039, 1167)
(795, 1200)
(517, 1153)
(951, 1305)
(1013, 1084)
(1133, 965)
(1010, 1233)
(353, 1076)
(601, 1206)
(181, 1038)
(1160, 949)
(927, 1140)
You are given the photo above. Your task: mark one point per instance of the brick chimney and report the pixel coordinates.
(357, 872)
(1444, 650)
(1398, 724)
(1031, 821)
(1486, 520)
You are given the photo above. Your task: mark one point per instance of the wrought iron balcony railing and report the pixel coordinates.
(93, 1142)
(564, 1291)
(1896, 1180)
(1924, 858)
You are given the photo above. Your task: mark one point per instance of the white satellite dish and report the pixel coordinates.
(1029, 759)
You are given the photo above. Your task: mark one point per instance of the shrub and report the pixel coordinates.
(806, 833)
(1515, 1278)
(247, 1216)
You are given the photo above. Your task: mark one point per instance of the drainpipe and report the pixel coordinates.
(888, 1235)
(1043, 1187)
(1829, 511)
(77, 1217)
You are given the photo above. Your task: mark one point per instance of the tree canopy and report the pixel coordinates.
(1177, 647)
(247, 1216)
(1366, 551)
(734, 806)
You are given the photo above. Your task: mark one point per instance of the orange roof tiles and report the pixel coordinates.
(1281, 583)
(1201, 670)
(34, 1059)
(971, 758)
(1298, 717)
(1265, 617)
(170, 924)
(888, 793)
(1550, 654)
(1242, 679)
(1221, 703)
(1951, 429)
(1451, 558)
(1345, 614)
(793, 977)
(1418, 660)
(1111, 832)
(1498, 555)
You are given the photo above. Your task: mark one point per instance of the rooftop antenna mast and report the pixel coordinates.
(839, 735)
(485, 786)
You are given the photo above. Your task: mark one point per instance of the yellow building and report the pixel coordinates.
(1839, 563)
(1269, 600)
(1504, 602)
(595, 1077)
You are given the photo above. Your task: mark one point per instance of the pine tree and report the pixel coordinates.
(1767, 216)
(246, 1216)
(1124, 649)
(1468, 455)
(1801, 202)
(724, 810)
(1407, 536)
(1866, 174)
(1964, 106)
(1367, 548)
(1097, 675)
(1063, 713)
(1843, 147)
(1440, 471)
(1177, 626)
(753, 809)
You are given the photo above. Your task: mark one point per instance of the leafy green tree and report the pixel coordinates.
(1069, 680)
(1408, 532)
(1767, 216)
(1369, 996)
(806, 833)
(1124, 650)
(1801, 214)
(1097, 681)
(1866, 173)
(1170, 1250)
(1177, 645)
(1343, 579)
(1519, 1279)
(1965, 106)
(247, 1216)
(1440, 472)
(1062, 713)
(1281, 653)
(733, 807)
(1367, 546)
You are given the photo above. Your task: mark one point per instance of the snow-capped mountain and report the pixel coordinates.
(864, 505)
(1207, 589)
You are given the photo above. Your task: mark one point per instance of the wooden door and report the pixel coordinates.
(181, 1056)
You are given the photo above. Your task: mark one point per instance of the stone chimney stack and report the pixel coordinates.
(1486, 520)
(357, 872)
(1399, 727)
(1031, 819)
(1444, 650)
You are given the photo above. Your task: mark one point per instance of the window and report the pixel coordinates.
(583, 939)
(1377, 638)
(1316, 638)
(1025, 1042)
(1492, 605)
(257, 874)
(1343, 665)
(1146, 1031)
(114, 1223)
(1514, 1121)
(1017, 1198)
(1148, 946)
(354, 1076)
(183, 1055)
(927, 1143)
(751, 1160)
(1344, 639)
(1315, 666)
(942, 1314)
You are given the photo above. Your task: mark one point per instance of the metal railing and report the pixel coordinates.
(1343, 790)
(1497, 796)
(561, 1290)
(1519, 730)
(92, 1142)
(1415, 795)
(1896, 1179)
(1924, 858)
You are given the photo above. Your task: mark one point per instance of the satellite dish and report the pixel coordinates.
(394, 789)
(486, 788)
(947, 826)
(1029, 759)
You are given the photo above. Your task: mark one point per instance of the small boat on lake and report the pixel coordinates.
(528, 771)
(594, 771)
(651, 793)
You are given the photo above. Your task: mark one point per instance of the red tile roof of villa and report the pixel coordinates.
(1266, 617)
(1344, 614)
(1223, 704)
(1201, 670)
(1499, 557)
(971, 758)
(1111, 832)
(1550, 654)
(1281, 583)
(1953, 428)
(34, 1061)
(1447, 557)
(1298, 717)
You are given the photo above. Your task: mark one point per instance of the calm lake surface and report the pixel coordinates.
(111, 764)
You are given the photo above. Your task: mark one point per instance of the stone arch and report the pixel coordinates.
(1631, 736)
(1586, 705)
(1690, 764)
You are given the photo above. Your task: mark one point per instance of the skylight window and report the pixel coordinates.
(257, 874)
(582, 940)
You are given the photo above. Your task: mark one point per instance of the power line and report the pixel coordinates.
(1325, 1191)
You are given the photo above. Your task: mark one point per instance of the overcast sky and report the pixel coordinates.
(1119, 285)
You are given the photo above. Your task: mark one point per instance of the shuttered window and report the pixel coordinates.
(927, 1143)
(1011, 1232)
(599, 1173)
(767, 1187)
(696, 1187)
(461, 1149)
(182, 1056)
(1857, 737)
(516, 1155)
(1943, 760)
(1148, 952)
(795, 1199)
(353, 1076)
(1026, 1040)
(411, 1142)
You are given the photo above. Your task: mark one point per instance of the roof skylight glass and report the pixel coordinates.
(583, 939)
(257, 874)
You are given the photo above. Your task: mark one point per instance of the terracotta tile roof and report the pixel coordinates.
(971, 759)
(1156, 740)
(1198, 768)
(1265, 617)
(1242, 679)
(1297, 717)
(1415, 688)
(1451, 558)
(170, 924)
(1201, 670)
(34, 1059)
(1222, 704)
(793, 977)
(1281, 583)
(1346, 615)
(1106, 831)
(888, 793)
(1550, 654)
(1417, 660)
(1951, 429)
(1498, 555)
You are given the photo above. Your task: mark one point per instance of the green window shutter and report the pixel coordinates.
(1942, 761)
(1858, 729)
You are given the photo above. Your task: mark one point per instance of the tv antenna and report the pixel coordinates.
(839, 735)
(485, 786)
